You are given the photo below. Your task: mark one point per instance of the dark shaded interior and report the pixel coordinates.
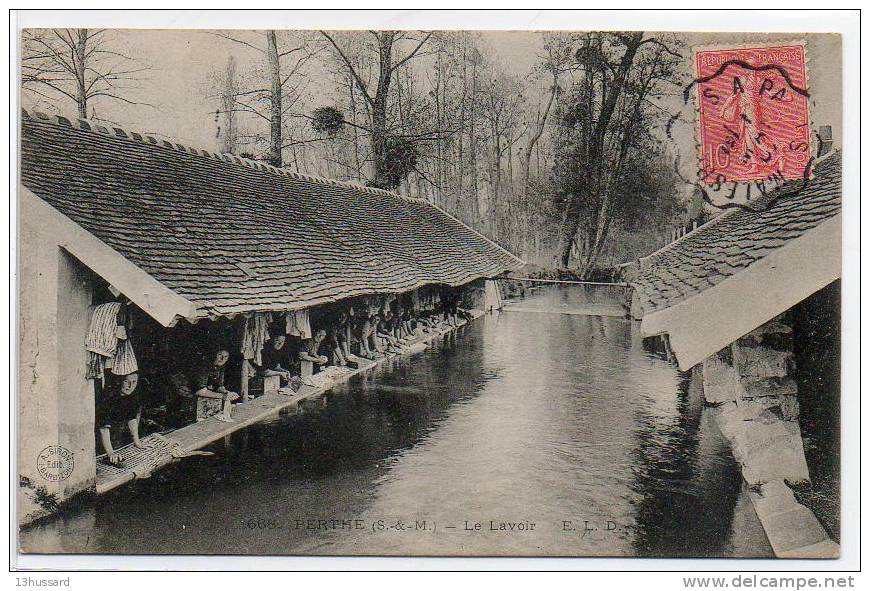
(817, 361)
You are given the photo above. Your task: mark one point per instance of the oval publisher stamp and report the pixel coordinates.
(55, 463)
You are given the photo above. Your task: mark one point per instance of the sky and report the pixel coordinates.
(182, 62)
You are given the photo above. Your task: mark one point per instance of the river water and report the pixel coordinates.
(534, 431)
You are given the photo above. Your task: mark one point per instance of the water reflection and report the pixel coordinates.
(558, 420)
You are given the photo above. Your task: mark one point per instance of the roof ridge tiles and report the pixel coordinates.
(727, 215)
(736, 239)
(93, 126)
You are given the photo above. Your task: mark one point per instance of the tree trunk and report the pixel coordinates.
(460, 173)
(475, 188)
(379, 111)
(228, 102)
(275, 139)
(596, 167)
(570, 226)
(379, 145)
(539, 131)
(79, 63)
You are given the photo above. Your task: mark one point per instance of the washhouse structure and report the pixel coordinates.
(749, 302)
(193, 245)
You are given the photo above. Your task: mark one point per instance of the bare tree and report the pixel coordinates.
(556, 61)
(467, 115)
(79, 64)
(229, 133)
(376, 94)
(501, 108)
(605, 124)
(272, 96)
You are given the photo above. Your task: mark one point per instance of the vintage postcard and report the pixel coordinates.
(429, 292)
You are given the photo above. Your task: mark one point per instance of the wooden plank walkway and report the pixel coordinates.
(165, 448)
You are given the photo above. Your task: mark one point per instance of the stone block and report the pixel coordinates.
(823, 549)
(781, 340)
(777, 458)
(755, 387)
(793, 529)
(778, 341)
(780, 324)
(782, 409)
(790, 407)
(762, 434)
(771, 415)
(731, 423)
(773, 498)
(754, 408)
(720, 381)
(762, 362)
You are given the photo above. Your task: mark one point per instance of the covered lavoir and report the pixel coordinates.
(170, 296)
(749, 303)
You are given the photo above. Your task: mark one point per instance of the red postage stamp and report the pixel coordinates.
(754, 118)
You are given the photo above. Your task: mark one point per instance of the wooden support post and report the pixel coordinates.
(246, 373)
(669, 353)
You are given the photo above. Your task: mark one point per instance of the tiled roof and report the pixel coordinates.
(232, 235)
(736, 239)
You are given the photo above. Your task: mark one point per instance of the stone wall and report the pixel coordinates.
(751, 384)
(55, 401)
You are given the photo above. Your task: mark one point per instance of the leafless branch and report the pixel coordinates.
(124, 100)
(413, 53)
(229, 37)
(664, 47)
(356, 76)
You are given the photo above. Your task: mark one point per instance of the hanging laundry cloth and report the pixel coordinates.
(303, 324)
(298, 324)
(96, 366)
(290, 327)
(108, 344)
(415, 299)
(255, 335)
(125, 359)
(102, 337)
